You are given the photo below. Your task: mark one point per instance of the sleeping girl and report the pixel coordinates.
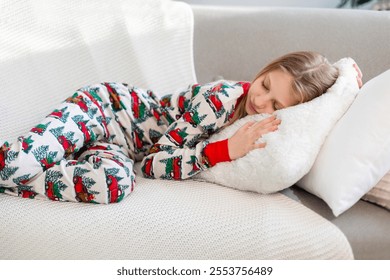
(85, 150)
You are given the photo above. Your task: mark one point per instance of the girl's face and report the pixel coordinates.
(270, 92)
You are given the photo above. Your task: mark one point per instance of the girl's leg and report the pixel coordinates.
(102, 174)
(82, 119)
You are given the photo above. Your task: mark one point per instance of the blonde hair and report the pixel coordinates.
(312, 76)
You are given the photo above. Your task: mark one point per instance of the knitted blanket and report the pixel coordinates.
(48, 49)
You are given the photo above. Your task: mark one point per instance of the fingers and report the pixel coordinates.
(359, 76)
(360, 82)
(267, 125)
(260, 145)
(248, 125)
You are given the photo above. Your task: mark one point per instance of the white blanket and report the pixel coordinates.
(48, 49)
(169, 220)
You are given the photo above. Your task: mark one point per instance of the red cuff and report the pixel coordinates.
(217, 152)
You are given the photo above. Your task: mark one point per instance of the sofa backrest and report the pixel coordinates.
(236, 42)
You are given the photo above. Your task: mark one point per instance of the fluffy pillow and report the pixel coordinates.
(356, 154)
(292, 149)
(380, 194)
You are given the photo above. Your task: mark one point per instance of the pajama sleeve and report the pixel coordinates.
(184, 150)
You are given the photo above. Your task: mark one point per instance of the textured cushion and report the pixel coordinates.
(292, 149)
(356, 154)
(380, 194)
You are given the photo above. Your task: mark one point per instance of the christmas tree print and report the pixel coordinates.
(89, 135)
(22, 180)
(168, 117)
(195, 165)
(116, 103)
(104, 121)
(115, 190)
(229, 115)
(6, 157)
(96, 161)
(61, 115)
(26, 192)
(94, 93)
(192, 142)
(176, 135)
(118, 161)
(221, 87)
(53, 185)
(82, 185)
(210, 128)
(26, 143)
(83, 103)
(154, 135)
(155, 111)
(40, 128)
(138, 138)
(65, 139)
(172, 168)
(45, 157)
(195, 89)
(192, 116)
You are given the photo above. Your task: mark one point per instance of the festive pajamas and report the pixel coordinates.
(85, 149)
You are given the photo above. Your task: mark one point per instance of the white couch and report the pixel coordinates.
(233, 42)
(187, 220)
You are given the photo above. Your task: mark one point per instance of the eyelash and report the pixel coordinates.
(263, 85)
(267, 89)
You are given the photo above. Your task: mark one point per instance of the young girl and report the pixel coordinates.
(86, 148)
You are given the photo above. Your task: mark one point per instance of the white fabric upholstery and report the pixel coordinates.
(50, 48)
(169, 220)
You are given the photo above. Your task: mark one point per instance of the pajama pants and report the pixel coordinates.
(84, 151)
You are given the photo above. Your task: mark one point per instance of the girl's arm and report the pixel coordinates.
(183, 150)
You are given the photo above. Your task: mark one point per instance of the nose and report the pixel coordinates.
(263, 104)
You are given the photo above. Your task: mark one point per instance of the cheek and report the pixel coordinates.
(254, 91)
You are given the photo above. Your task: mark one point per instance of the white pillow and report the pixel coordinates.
(292, 149)
(356, 154)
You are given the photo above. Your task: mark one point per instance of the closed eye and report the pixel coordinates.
(264, 86)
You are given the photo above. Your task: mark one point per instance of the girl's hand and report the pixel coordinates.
(359, 75)
(243, 141)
